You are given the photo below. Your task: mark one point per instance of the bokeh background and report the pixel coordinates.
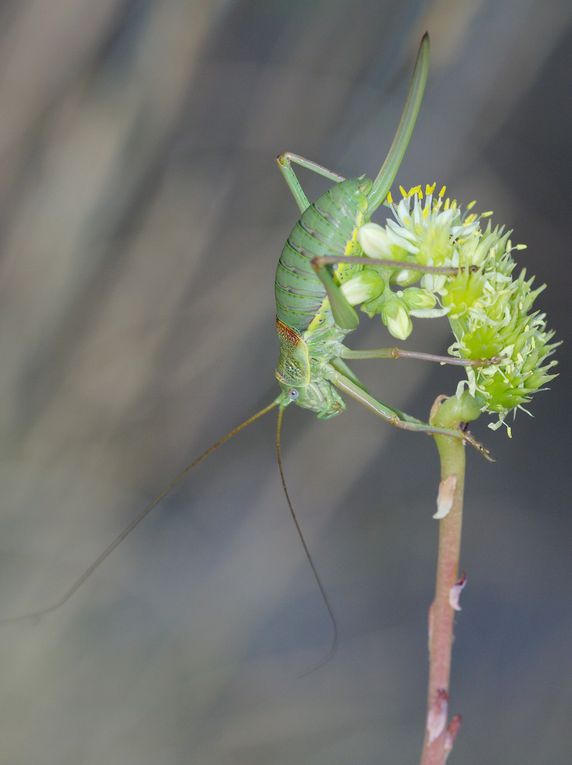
(141, 220)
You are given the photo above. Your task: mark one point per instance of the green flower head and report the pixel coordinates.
(489, 309)
(499, 322)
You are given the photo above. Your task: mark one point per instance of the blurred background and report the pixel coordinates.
(142, 217)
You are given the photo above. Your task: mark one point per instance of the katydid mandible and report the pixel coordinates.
(314, 316)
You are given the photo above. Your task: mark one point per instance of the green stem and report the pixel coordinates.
(449, 413)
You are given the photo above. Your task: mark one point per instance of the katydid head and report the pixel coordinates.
(299, 381)
(319, 396)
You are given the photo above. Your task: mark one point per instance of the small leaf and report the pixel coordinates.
(445, 497)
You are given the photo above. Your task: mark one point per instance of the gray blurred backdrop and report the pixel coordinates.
(142, 216)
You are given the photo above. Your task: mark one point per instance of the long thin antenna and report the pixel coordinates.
(323, 593)
(137, 520)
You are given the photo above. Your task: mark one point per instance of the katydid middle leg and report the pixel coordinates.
(403, 353)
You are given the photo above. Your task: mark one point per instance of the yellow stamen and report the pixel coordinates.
(471, 204)
(389, 198)
(442, 192)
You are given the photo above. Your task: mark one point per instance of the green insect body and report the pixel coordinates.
(327, 227)
(320, 259)
(308, 333)
(313, 315)
(314, 311)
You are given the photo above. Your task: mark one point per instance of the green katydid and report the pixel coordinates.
(314, 315)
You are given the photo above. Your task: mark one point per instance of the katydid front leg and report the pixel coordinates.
(396, 417)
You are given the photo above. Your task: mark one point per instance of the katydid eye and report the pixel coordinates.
(293, 394)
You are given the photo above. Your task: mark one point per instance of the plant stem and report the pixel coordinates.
(438, 737)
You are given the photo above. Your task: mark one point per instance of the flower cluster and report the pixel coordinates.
(428, 229)
(489, 310)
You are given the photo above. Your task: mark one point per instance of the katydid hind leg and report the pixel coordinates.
(285, 162)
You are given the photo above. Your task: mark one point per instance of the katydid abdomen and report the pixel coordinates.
(326, 228)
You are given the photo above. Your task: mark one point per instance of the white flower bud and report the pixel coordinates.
(405, 277)
(365, 285)
(396, 318)
(374, 241)
(417, 298)
(433, 282)
(428, 313)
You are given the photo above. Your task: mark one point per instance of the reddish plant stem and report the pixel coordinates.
(436, 744)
